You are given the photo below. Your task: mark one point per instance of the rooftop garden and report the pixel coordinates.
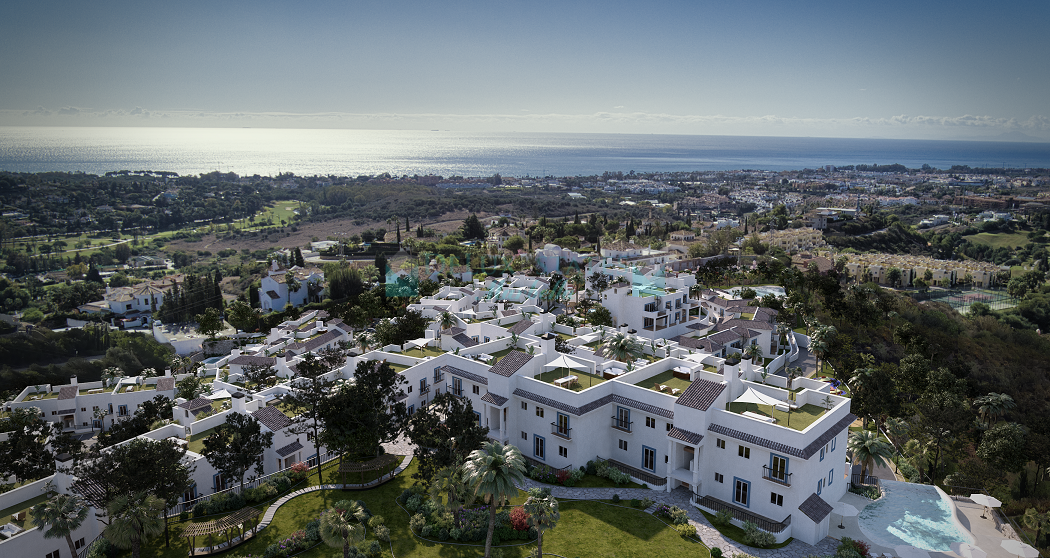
(421, 352)
(665, 379)
(195, 442)
(7, 515)
(582, 382)
(399, 368)
(798, 419)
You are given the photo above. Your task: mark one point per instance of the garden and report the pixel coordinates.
(595, 474)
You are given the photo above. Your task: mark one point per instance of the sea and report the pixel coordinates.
(308, 152)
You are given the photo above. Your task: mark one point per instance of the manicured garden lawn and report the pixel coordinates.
(799, 419)
(734, 533)
(586, 529)
(999, 240)
(584, 379)
(666, 379)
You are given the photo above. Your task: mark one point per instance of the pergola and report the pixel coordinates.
(362, 467)
(235, 520)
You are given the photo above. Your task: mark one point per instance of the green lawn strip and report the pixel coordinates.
(7, 514)
(667, 379)
(799, 419)
(591, 528)
(736, 534)
(584, 379)
(999, 240)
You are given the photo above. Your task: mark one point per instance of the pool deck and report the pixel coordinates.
(988, 538)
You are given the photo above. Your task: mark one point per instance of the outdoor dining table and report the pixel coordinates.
(565, 380)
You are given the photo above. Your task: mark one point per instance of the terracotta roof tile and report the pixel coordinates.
(815, 508)
(272, 418)
(511, 363)
(700, 394)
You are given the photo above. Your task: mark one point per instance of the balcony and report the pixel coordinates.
(424, 390)
(561, 431)
(777, 476)
(454, 391)
(438, 378)
(620, 424)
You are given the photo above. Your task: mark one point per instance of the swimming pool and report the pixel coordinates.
(212, 360)
(761, 290)
(916, 514)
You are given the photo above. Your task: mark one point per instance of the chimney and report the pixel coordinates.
(73, 380)
(239, 400)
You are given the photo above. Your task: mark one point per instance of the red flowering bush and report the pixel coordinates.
(519, 519)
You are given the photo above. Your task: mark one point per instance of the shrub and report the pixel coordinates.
(519, 519)
(616, 498)
(382, 532)
(374, 549)
(716, 552)
(685, 530)
(313, 531)
(416, 523)
(299, 471)
(848, 546)
(443, 535)
(428, 531)
(454, 533)
(429, 508)
(647, 503)
(724, 518)
(414, 503)
(617, 476)
(679, 516)
(533, 533)
(591, 470)
(184, 515)
(635, 503)
(753, 536)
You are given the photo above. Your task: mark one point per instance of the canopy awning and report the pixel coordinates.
(752, 396)
(565, 362)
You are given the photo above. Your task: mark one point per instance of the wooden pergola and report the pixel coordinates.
(362, 467)
(224, 525)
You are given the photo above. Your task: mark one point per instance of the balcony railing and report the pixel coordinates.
(454, 391)
(563, 431)
(777, 476)
(438, 377)
(621, 424)
(764, 523)
(424, 390)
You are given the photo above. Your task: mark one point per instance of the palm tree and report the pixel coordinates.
(61, 515)
(993, 406)
(543, 513)
(752, 351)
(869, 449)
(133, 519)
(623, 347)
(446, 320)
(820, 342)
(1036, 521)
(342, 524)
(793, 373)
(578, 283)
(447, 486)
(491, 472)
(365, 340)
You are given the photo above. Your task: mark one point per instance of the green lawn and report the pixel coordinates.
(799, 419)
(665, 378)
(734, 533)
(586, 529)
(424, 352)
(999, 240)
(585, 380)
(196, 441)
(7, 514)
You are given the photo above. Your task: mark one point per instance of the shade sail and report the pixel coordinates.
(752, 396)
(566, 362)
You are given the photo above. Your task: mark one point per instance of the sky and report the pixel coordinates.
(922, 70)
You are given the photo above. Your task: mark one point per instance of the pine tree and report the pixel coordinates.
(299, 261)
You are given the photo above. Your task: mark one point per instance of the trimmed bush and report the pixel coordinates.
(414, 503)
(376, 521)
(428, 531)
(417, 523)
(685, 530)
(716, 552)
(382, 532)
(723, 518)
(616, 498)
(635, 503)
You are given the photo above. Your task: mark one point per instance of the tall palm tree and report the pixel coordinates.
(578, 283)
(994, 406)
(342, 524)
(623, 347)
(543, 514)
(491, 472)
(447, 486)
(60, 515)
(446, 320)
(869, 449)
(752, 351)
(820, 342)
(133, 519)
(365, 340)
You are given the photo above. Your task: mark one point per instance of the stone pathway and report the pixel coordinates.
(398, 447)
(707, 532)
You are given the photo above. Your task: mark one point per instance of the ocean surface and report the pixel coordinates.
(267, 151)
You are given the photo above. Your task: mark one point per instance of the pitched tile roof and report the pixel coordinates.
(685, 435)
(272, 294)
(321, 340)
(497, 400)
(452, 331)
(68, 392)
(247, 360)
(521, 327)
(272, 418)
(815, 508)
(511, 363)
(197, 403)
(165, 384)
(462, 339)
(464, 374)
(290, 449)
(806, 453)
(700, 394)
(510, 312)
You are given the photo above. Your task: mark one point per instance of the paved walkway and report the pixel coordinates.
(707, 532)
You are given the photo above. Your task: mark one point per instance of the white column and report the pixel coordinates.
(485, 413)
(502, 424)
(696, 467)
(670, 463)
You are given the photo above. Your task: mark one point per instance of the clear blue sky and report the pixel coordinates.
(885, 69)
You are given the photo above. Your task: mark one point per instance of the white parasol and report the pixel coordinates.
(565, 362)
(967, 550)
(986, 501)
(845, 510)
(1018, 548)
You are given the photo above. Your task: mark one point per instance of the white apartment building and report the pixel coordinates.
(275, 294)
(650, 301)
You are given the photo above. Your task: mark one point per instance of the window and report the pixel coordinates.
(650, 422)
(423, 387)
(778, 467)
(822, 452)
(309, 436)
(79, 543)
(539, 412)
(563, 425)
(477, 416)
(122, 410)
(668, 427)
(719, 477)
(820, 485)
(51, 554)
(411, 409)
(524, 436)
(539, 446)
(83, 409)
(741, 492)
(622, 420)
(457, 386)
(623, 445)
(563, 451)
(744, 452)
(648, 458)
(831, 476)
(524, 406)
(833, 440)
(720, 443)
(409, 389)
(776, 499)
(477, 390)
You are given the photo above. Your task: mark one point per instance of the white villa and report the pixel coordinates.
(275, 294)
